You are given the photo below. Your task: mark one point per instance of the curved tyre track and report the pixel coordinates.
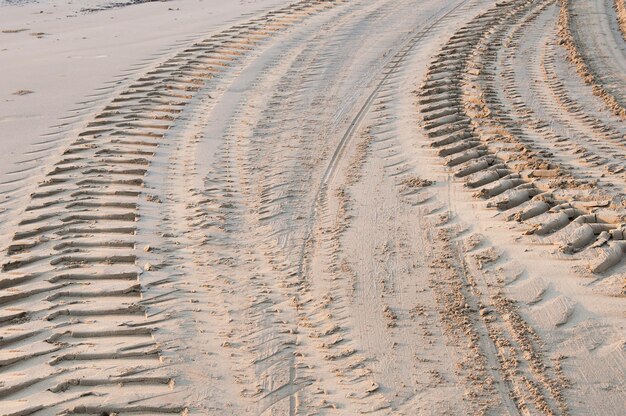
(77, 315)
(508, 129)
(594, 47)
(241, 227)
(511, 162)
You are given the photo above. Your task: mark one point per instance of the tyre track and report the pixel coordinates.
(332, 226)
(491, 127)
(46, 150)
(265, 353)
(280, 299)
(470, 125)
(604, 128)
(545, 124)
(73, 263)
(312, 317)
(602, 71)
(127, 245)
(509, 167)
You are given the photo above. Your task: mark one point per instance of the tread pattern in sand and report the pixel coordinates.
(78, 321)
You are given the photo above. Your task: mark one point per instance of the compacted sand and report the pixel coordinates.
(396, 207)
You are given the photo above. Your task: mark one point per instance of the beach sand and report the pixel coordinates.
(341, 207)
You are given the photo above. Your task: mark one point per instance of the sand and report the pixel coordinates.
(395, 207)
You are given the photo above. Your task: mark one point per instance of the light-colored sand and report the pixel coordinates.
(316, 207)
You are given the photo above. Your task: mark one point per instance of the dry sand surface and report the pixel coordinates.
(333, 207)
